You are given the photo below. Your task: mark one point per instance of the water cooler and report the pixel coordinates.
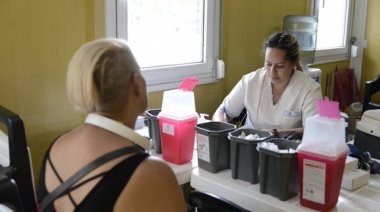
(304, 28)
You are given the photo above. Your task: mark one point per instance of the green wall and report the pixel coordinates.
(248, 24)
(371, 62)
(39, 37)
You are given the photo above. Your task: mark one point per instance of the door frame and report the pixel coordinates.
(358, 30)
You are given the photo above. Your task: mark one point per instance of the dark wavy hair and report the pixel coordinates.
(285, 41)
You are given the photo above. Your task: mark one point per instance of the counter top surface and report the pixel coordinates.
(247, 195)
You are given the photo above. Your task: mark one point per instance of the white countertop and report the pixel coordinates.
(247, 195)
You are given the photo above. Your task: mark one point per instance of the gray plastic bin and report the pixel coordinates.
(244, 155)
(154, 129)
(213, 145)
(279, 171)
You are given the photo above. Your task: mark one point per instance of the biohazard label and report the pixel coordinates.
(168, 129)
(203, 147)
(314, 181)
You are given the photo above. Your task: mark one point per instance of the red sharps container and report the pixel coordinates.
(321, 158)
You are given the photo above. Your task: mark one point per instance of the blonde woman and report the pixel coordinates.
(105, 82)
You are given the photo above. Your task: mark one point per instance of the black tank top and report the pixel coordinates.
(105, 193)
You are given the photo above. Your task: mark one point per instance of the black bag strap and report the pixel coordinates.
(61, 189)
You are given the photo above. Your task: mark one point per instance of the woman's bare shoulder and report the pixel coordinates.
(153, 187)
(153, 163)
(155, 172)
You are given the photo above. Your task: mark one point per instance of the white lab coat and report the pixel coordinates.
(254, 93)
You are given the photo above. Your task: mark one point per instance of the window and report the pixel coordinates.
(171, 39)
(334, 29)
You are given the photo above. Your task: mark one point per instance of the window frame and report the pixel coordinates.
(164, 78)
(335, 54)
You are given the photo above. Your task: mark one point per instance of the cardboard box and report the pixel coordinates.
(351, 164)
(355, 179)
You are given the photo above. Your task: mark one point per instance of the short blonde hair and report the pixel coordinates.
(99, 75)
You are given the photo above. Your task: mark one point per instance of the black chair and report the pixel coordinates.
(9, 195)
(371, 87)
(206, 202)
(242, 117)
(19, 161)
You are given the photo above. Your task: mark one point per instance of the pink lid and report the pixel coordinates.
(188, 84)
(328, 108)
